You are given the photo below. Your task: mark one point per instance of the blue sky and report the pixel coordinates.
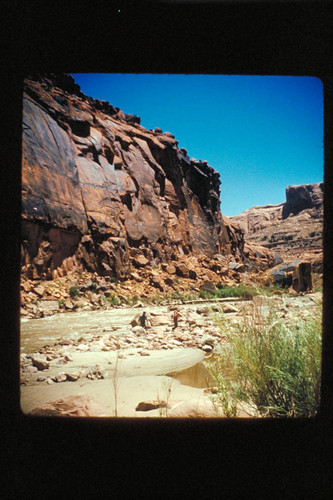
(261, 133)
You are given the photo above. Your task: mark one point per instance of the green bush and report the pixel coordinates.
(74, 292)
(133, 300)
(113, 299)
(242, 291)
(271, 365)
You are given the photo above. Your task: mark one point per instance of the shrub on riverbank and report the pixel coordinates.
(242, 291)
(270, 364)
(74, 292)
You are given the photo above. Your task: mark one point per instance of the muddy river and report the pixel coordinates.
(37, 333)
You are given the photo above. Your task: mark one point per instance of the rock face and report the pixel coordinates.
(293, 229)
(103, 194)
(299, 198)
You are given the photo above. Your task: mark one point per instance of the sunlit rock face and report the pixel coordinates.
(293, 229)
(99, 191)
(306, 196)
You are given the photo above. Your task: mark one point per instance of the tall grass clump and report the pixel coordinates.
(269, 365)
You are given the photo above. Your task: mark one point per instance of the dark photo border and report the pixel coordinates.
(126, 458)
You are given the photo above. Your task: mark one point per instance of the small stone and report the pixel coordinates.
(29, 369)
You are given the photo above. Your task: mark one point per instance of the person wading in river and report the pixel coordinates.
(176, 315)
(143, 320)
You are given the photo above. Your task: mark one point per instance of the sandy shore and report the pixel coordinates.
(127, 382)
(130, 392)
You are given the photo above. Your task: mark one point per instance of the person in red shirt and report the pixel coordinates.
(176, 315)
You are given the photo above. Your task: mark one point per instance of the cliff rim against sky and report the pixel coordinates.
(102, 193)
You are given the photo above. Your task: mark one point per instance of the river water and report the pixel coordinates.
(37, 333)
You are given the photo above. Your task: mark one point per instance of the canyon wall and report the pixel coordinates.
(102, 193)
(293, 229)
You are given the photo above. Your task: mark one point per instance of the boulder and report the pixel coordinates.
(160, 320)
(168, 282)
(302, 277)
(82, 347)
(193, 408)
(73, 376)
(237, 267)
(207, 348)
(150, 405)
(95, 374)
(138, 330)
(40, 290)
(80, 405)
(29, 369)
(182, 270)
(140, 261)
(68, 305)
(40, 362)
(61, 377)
(155, 282)
(170, 269)
(49, 306)
(136, 321)
(208, 286)
(282, 278)
(182, 337)
(192, 274)
(229, 308)
(209, 340)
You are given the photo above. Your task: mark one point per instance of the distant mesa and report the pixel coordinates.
(294, 229)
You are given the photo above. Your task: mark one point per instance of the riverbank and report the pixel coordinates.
(105, 355)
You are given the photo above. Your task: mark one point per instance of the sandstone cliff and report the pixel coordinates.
(293, 229)
(101, 193)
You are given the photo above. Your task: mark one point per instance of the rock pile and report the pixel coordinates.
(166, 281)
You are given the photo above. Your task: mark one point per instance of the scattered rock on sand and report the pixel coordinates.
(150, 405)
